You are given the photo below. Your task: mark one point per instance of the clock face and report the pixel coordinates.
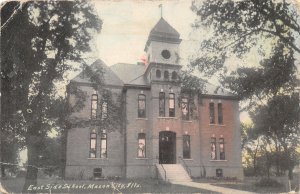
(166, 54)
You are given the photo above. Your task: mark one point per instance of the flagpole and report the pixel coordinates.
(161, 10)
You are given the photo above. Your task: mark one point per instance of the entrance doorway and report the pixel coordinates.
(167, 147)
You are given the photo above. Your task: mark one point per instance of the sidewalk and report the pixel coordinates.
(212, 188)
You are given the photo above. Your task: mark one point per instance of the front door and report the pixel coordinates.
(167, 147)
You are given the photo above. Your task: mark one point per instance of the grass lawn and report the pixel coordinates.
(246, 185)
(102, 186)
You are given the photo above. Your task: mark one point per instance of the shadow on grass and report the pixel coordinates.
(103, 186)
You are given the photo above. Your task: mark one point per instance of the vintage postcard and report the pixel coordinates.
(156, 96)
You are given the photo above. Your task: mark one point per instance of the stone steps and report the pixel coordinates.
(174, 173)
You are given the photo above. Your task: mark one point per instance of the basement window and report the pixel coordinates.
(97, 172)
(219, 172)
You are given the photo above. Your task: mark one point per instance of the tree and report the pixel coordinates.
(278, 122)
(39, 40)
(271, 27)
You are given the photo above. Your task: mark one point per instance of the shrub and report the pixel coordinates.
(267, 182)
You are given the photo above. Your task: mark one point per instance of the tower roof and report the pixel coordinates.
(163, 32)
(163, 28)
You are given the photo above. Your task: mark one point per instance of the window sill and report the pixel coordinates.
(142, 119)
(218, 160)
(218, 125)
(167, 117)
(141, 158)
(188, 159)
(97, 158)
(187, 121)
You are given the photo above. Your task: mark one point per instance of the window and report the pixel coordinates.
(166, 75)
(213, 152)
(185, 108)
(161, 104)
(222, 149)
(97, 172)
(219, 172)
(174, 75)
(141, 145)
(104, 109)
(220, 113)
(211, 113)
(141, 106)
(94, 106)
(103, 144)
(171, 105)
(93, 142)
(158, 73)
(186, 146)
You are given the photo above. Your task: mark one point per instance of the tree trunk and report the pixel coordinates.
(3, 171)
(290, 174)
(32, 170)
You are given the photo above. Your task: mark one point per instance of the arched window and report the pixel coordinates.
(222, 148)
(220, 113)
(141, 145)
(174, 75)
(103, 144)
(186, 146)
(94, 106)
(213, 148)
(185, 109)
(211, 113)
(158, 73)
(171, 105)
(161, 104)
(166, 75)
(93, 143)
(141, 106)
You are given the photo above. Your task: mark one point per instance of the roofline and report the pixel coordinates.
(161, 39)
(220, 97)
(160, 64)
(136, 86)
(91, 84)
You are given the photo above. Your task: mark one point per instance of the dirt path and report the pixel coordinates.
(212, 188)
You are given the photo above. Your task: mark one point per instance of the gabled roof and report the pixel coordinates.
(109, 77)
(130, 73)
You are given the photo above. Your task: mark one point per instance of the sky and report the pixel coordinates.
(126, 26)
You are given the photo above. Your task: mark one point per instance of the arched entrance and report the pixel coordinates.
(167, 147)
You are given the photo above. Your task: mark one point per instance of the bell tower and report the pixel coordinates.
(162, 48)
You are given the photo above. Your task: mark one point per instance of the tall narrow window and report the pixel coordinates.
(185, 108)
(211, 113)
(141, 145)
(222, 148)
(171, 105)
(213, 148)
(161, 104)
(158, 73)
(220, 113)
(94, 106)
(166, 75)
(141, 106)
(93, 142)
(104, 109)
(186, 146)
(103, 144)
